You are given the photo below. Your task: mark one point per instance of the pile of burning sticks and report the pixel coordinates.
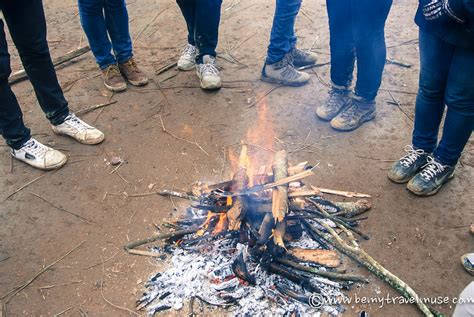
(260, 243)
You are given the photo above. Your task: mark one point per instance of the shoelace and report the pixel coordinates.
(411, 156)
(76, 123)
(298, 54)
(209, 69)
(112, 71)
(349, 112)
(35, 148)
(132, 65)
(431, 169)
(189, 51)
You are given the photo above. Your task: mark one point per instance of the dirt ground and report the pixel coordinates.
(418, 239)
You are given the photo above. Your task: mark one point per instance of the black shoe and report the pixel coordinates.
(301, 58)
(431, 178)
(353, 116)
(337, 100)
(407, 166)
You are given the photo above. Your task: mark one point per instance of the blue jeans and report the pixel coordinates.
(282, 37)
(357, 33)
(202, 20)
(446, 78)
(105, 23)
(27, 25)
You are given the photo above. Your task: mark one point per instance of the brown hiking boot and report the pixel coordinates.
(132, 73)
(113, 80)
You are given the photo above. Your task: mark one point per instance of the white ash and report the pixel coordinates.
(202, 274)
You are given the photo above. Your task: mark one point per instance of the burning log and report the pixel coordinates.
(328, 258)
(280, 197)
(299, 279)
(237, 213)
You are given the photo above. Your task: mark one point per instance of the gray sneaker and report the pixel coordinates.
(431, 178)
(407, 166)
(337, 100)
(353, 116)
(208, 73)
(283, 73)
(303, 58)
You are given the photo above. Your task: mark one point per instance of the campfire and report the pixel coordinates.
(255, 243)
(262, 241)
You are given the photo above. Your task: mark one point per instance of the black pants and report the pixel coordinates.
(202, 19)
(27, 25)
(357, 32)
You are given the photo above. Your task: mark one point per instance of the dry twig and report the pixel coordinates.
(62, 209)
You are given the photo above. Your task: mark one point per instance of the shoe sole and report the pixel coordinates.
(400, 181)
(115, 89)
(94, 142)
(469, 270)
(282, 82)
(138, 83)
(185, 69)
(434, 191)
(54, 167)
(363, 120)
(210, 87)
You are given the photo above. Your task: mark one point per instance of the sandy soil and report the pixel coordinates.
(419, 239)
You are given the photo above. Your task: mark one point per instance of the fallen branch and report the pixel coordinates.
(62, 209)
(8, 296)
(21, 75)
(23, 187)
(360, 256)
(256, 102)
(92, 108)
(161, 236)
(181, 139)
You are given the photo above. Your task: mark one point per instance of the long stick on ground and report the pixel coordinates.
(8, 296)
(21, 75)
(360, 256)
(160, 236)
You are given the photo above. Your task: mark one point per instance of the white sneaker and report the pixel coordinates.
(208, 73)
(187, 60)
(39, 155)
(79, 130)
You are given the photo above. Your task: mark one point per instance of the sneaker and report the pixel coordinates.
(132, 73)
(407, 166)
(303, 58)
(39, 155)
(338, 99)
(283, 73)
(208, 73)
(112, 78)
(430, 179)
(467, 261)
(187, 60)
(79, 130)
(354, 115)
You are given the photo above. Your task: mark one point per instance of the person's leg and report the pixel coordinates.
(459, 98)
(116, 20)
(188, 9)
(341, 41)
(435, 62)
(206, 31)
(27, 25)
(465, 305)
(12, 127)
(369, 33)
(282, 37)
(92, 18)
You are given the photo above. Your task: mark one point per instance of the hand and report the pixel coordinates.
(444, 10)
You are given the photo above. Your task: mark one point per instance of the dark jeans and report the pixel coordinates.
(357, 33)
(202, 20)
(102, 19)
(446, 78)
(27, 25)
(282, 37)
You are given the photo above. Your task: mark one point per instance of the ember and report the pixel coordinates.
(256, 243)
